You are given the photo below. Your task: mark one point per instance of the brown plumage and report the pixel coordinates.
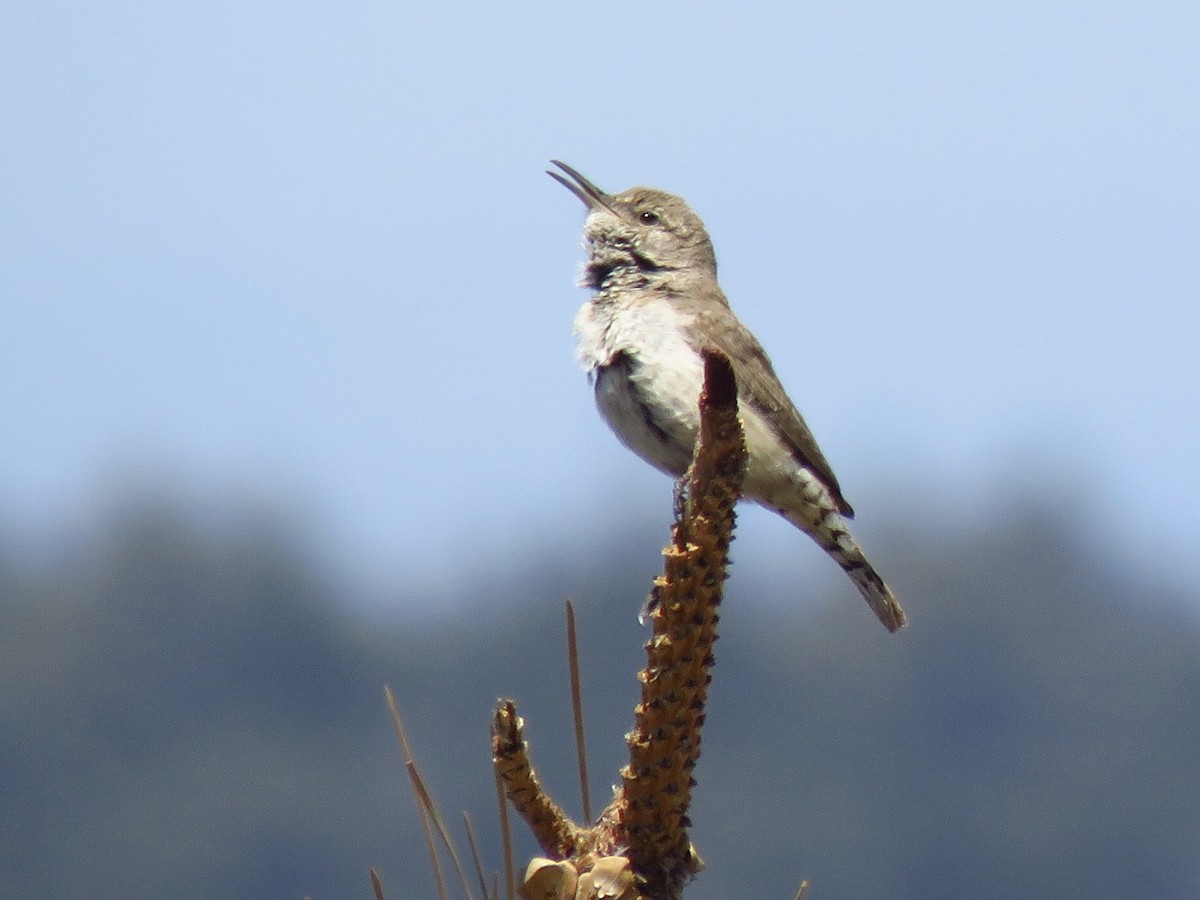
(656, 305)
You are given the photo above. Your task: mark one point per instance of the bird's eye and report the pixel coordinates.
(646, 217)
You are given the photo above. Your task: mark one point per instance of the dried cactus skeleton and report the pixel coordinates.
(639, 847)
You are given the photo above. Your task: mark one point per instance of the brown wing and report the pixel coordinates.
(759, 386)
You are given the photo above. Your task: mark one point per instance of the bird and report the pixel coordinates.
(655, 306)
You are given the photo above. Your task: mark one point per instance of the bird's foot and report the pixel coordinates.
(680, 496)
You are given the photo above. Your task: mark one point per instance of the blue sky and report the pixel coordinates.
(306, 253)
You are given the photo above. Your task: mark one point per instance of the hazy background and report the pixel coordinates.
(287, 398)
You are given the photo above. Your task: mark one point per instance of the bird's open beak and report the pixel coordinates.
(592, 196)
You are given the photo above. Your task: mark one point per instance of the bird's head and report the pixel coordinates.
(638, 233)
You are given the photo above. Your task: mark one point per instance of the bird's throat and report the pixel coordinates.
(608, 268)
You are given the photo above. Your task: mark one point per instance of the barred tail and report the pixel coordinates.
(827, 527)
(878, 595)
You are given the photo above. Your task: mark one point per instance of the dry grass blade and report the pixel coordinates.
(803, 890)
(376, 884)
(510, 884)
(474, 847)
(577, 709)
(398, 724)
(410, 763)
(440, 826)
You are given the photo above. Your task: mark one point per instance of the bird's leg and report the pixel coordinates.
(681, 496)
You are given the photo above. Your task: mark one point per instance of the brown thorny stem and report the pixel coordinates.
(646, 822)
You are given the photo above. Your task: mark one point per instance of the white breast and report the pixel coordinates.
(652, 402)
(644, 327)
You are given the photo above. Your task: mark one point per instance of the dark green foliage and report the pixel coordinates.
(192, 711)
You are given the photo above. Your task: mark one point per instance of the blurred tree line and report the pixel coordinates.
(192, 708)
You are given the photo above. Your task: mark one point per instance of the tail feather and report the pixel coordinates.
(876, 592)
(828, 528)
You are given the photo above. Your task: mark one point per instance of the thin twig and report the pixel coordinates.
(376, 884)
(406, 750)
(577, 708)
(440, 826)
(483, 888)
(398, 724)
(510, 891)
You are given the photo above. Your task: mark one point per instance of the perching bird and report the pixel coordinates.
(656, 305)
